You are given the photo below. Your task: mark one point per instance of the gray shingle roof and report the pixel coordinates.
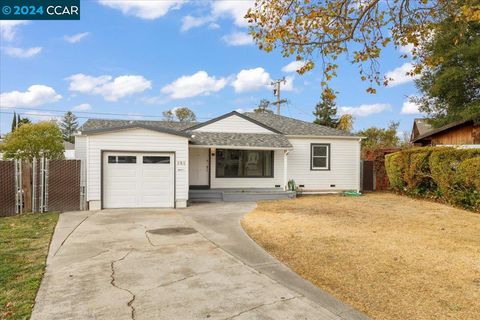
(423, 126)
(96, 124)
(240, 139)
(290, 126)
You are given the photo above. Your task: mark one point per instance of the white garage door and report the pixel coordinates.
(138, 180)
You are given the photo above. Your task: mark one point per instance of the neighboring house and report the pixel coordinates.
(461, 133)
(69, 152)
(157, 163)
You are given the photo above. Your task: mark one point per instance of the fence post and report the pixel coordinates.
(34, 185)
(18, 187)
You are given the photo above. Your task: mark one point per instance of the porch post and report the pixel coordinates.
(285, 171)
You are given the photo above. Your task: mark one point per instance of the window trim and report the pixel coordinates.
(242, 177)
(116, 159)
(328, 146)
(161, 162)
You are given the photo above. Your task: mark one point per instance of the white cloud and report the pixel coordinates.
(399, 76)
(256, 79)
(365, 109)
(82, 107)
(238, 39)
(190, 22)
(144, 9)
(199, 83)
(35, 95)
(43, 116)
(235, 10)
(407, 49)
(288, 85)
(232, 9)
(8, 28)
(410, 107)
(75, 38)
(112, 89)
(251, 80)
(22, 53)
(293, 66)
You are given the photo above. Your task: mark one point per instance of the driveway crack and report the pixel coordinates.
(112, 282)
(71, 232)
(259, 306)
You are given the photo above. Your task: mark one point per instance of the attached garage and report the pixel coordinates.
(135, 165)
(138, 180)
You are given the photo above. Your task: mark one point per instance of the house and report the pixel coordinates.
(69, 152)
(462, 133)
(163, 164)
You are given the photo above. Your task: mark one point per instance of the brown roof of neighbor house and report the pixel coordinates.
(422, 125)
(433, 131)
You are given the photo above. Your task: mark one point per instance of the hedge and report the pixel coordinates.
(450, 174)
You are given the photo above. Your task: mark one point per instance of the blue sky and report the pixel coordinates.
(142, 58)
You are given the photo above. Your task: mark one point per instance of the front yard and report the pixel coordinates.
(389, 256)
(24, 242)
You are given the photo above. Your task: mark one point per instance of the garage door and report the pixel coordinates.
(138, 180)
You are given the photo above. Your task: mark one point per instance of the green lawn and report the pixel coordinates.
(24, 242)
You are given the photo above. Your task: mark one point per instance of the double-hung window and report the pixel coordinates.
(320, 156)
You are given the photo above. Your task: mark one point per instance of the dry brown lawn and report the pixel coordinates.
(389, 256)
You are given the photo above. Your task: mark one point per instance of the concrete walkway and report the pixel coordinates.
(194, 263)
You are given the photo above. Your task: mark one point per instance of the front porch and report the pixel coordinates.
(238, 194)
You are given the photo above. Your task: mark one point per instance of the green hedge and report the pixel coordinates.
(437, 172)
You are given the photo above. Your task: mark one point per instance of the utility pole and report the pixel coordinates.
(276, 92)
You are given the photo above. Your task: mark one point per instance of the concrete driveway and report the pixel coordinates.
(193, 263)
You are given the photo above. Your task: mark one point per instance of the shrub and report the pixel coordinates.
(468, 182)
(444, 164)
(417, 175)
(450, 173)
(394, 166)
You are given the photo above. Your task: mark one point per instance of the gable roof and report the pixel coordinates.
(277, 124)
(422, 125)
(95, 126)
(265, 140)
(295, 127)
(441, 129)
(234, 113)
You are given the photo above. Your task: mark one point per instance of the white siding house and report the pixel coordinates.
(158, 163)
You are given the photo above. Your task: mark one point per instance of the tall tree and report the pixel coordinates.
(263, 107)
(34, 140)
(14, 121)
(450, 85)
(23, 121)
(326, 111)
(168, 115)
(345, 123)
(379, 138)
(185, 115)
(330, 28)
(69, 125)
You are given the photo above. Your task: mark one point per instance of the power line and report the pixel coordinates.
(80, 117)
(91, 112)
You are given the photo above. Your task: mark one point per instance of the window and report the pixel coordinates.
(320, 156)
(122, 159)
(244, 163)
(156, 159)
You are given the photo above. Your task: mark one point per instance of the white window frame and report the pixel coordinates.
(327, 156)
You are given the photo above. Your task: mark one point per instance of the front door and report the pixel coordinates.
(199, 167)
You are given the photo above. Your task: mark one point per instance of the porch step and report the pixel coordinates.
(237, 195)
(205, 196)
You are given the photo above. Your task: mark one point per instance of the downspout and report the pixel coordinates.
(285, 170)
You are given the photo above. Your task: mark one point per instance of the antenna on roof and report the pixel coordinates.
(276, 92)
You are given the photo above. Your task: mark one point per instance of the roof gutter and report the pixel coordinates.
(325, 137)
(201, 146)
